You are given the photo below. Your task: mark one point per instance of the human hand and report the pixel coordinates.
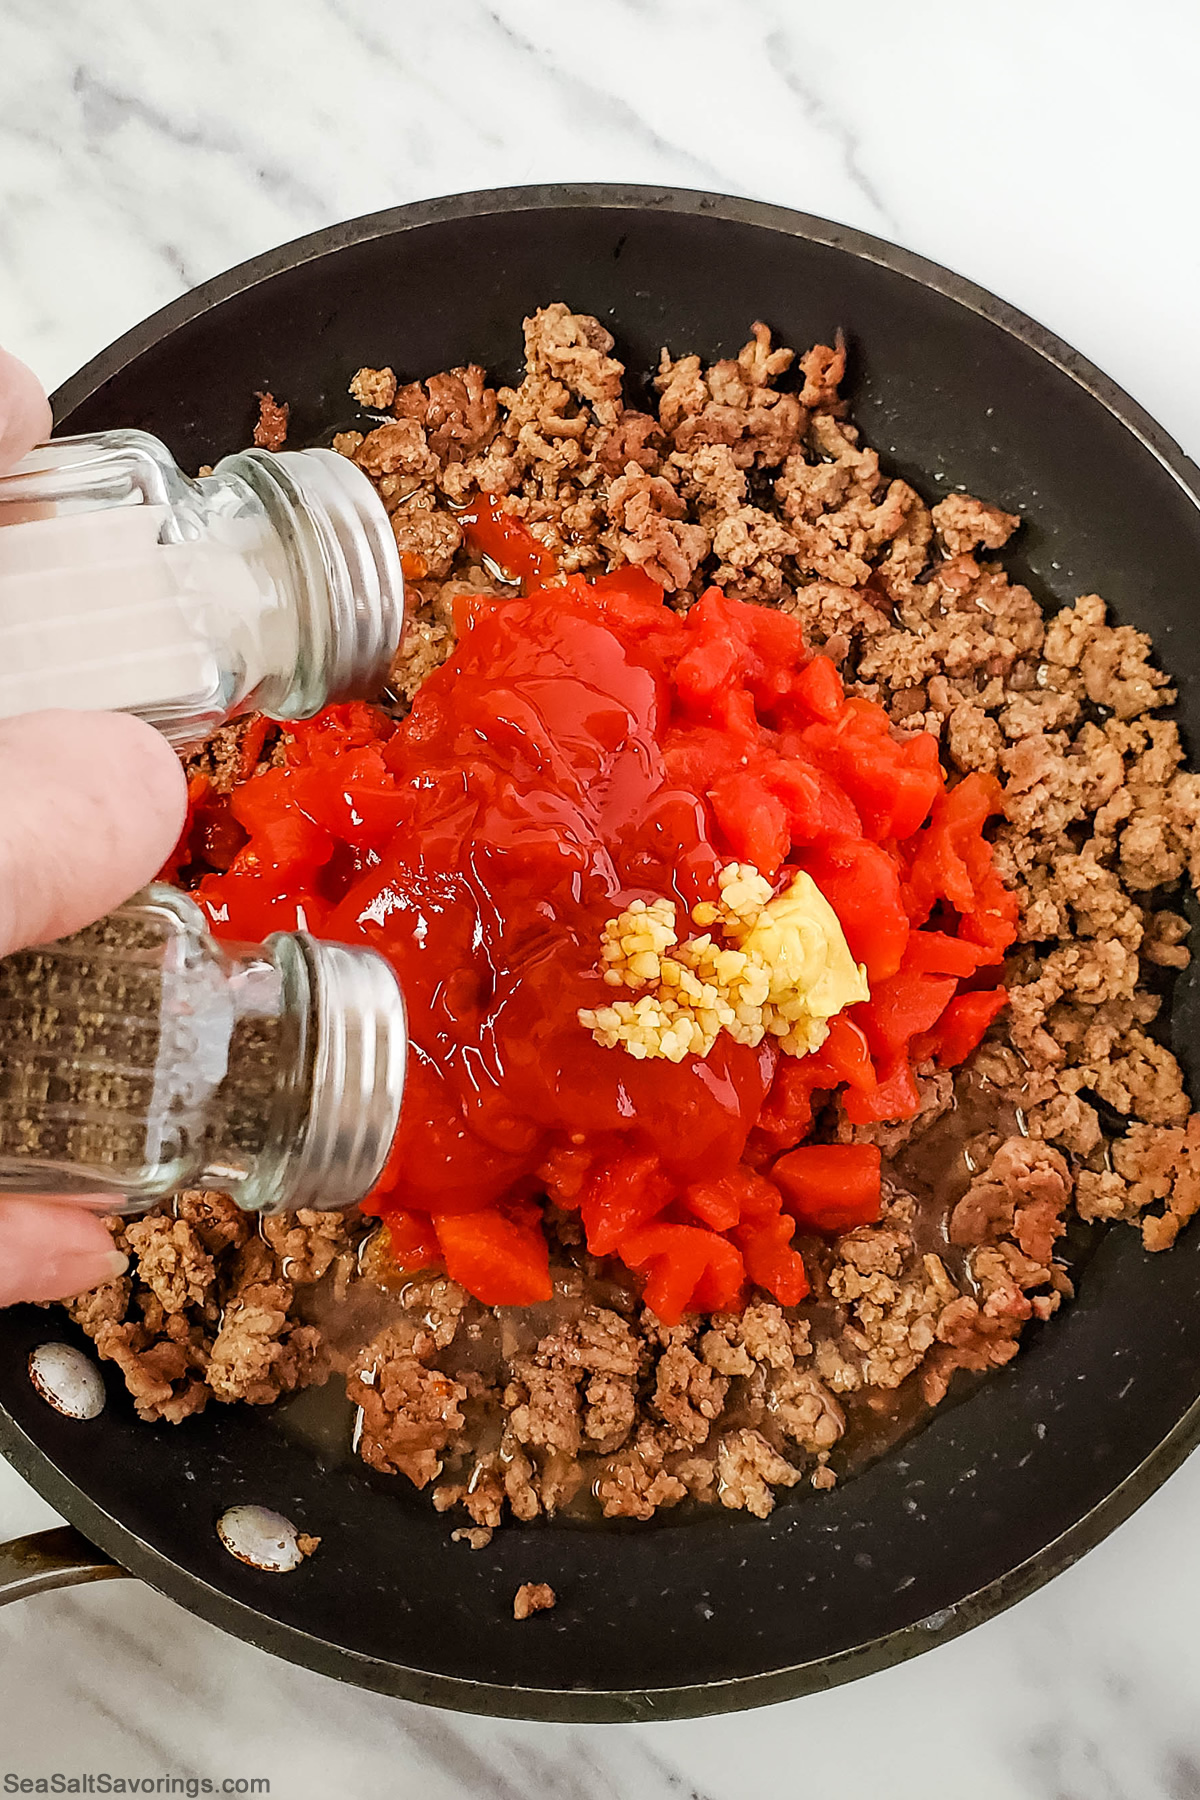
(91, 805)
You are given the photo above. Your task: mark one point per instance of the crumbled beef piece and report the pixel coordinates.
(964, 524)
(427, 537)
(688, 1395)
(824, 370)
(892, 1297)
(105, 1305)
(374, 388)
(162, 1377)
(1022, 1194)
(533, 1597)
(634, 1484)
(218, 1221)
(967, 625)
(222, 758)
(457, 411)
(1112, 663)
(751, 549)
(307, 1243)
(835, 619)
(258, 1352)
(399, 455)
(271, 426)
(307, 1544)
(805, 1410)
(574, 349)
(543, 1406)
(648, 529)
(204, 1312)
(635, 438)
(611, 1412)
(1160, 1164)
(410, 1411)
(735, 1344)
(748, 1469)
(1163, 940)
(171, 1260)
(476, 1537)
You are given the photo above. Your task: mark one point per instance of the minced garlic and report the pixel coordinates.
(781, 966)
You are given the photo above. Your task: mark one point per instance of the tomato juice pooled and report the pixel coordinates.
(585, 747)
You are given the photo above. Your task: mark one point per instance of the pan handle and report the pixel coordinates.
(60, 1557)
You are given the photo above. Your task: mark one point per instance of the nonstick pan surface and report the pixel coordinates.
(1000, 1491)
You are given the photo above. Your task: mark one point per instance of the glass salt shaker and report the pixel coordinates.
(140, 1056)
(271, 585)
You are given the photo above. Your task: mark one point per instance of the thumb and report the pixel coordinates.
(49, 1251)
(24, 410)
(91, 806)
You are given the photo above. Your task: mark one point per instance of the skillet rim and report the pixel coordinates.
(604, 1705)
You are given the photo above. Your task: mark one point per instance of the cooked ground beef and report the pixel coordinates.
(533, 1597)
(748, 474)
(271, 427)
(206, 1310)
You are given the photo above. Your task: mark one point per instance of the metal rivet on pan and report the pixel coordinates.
(67, 1380)
(261, 1538)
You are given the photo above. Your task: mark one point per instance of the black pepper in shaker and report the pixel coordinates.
(140, 1056)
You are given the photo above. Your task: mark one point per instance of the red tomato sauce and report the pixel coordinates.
(584, 747)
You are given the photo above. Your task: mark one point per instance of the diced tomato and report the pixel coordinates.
(816, 807)
(893, 1097)
(411, 1241)
(933, 953)
(502, 1260)
(961, 1027)
(992, 921)
(771, 1262)
(862, 884)
(786, 1114)
(622, 1197)
(354, 798)
(719, 1288)
(250, 748)
(507, 540)
(908, 1002)
(687, 1269)
(715, 1203)
(893, 784)
(564, 1172)
(754, 823)
(830, 1187)
(819, 688)
(248, 906)
(941, 867)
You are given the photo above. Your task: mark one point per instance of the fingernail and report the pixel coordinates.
(90, 1268)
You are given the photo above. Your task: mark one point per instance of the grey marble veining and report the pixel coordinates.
(1047, 150)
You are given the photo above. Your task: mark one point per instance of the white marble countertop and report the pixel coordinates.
(1042, 147)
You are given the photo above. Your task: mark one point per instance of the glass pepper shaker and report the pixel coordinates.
(140, 1056)
(271, 585)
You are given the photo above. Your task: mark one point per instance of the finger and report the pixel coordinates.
(98, 1203)
(91, 806)
(24, 410)
(50, 1252)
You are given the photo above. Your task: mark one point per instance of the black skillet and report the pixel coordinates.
(996, 1494)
